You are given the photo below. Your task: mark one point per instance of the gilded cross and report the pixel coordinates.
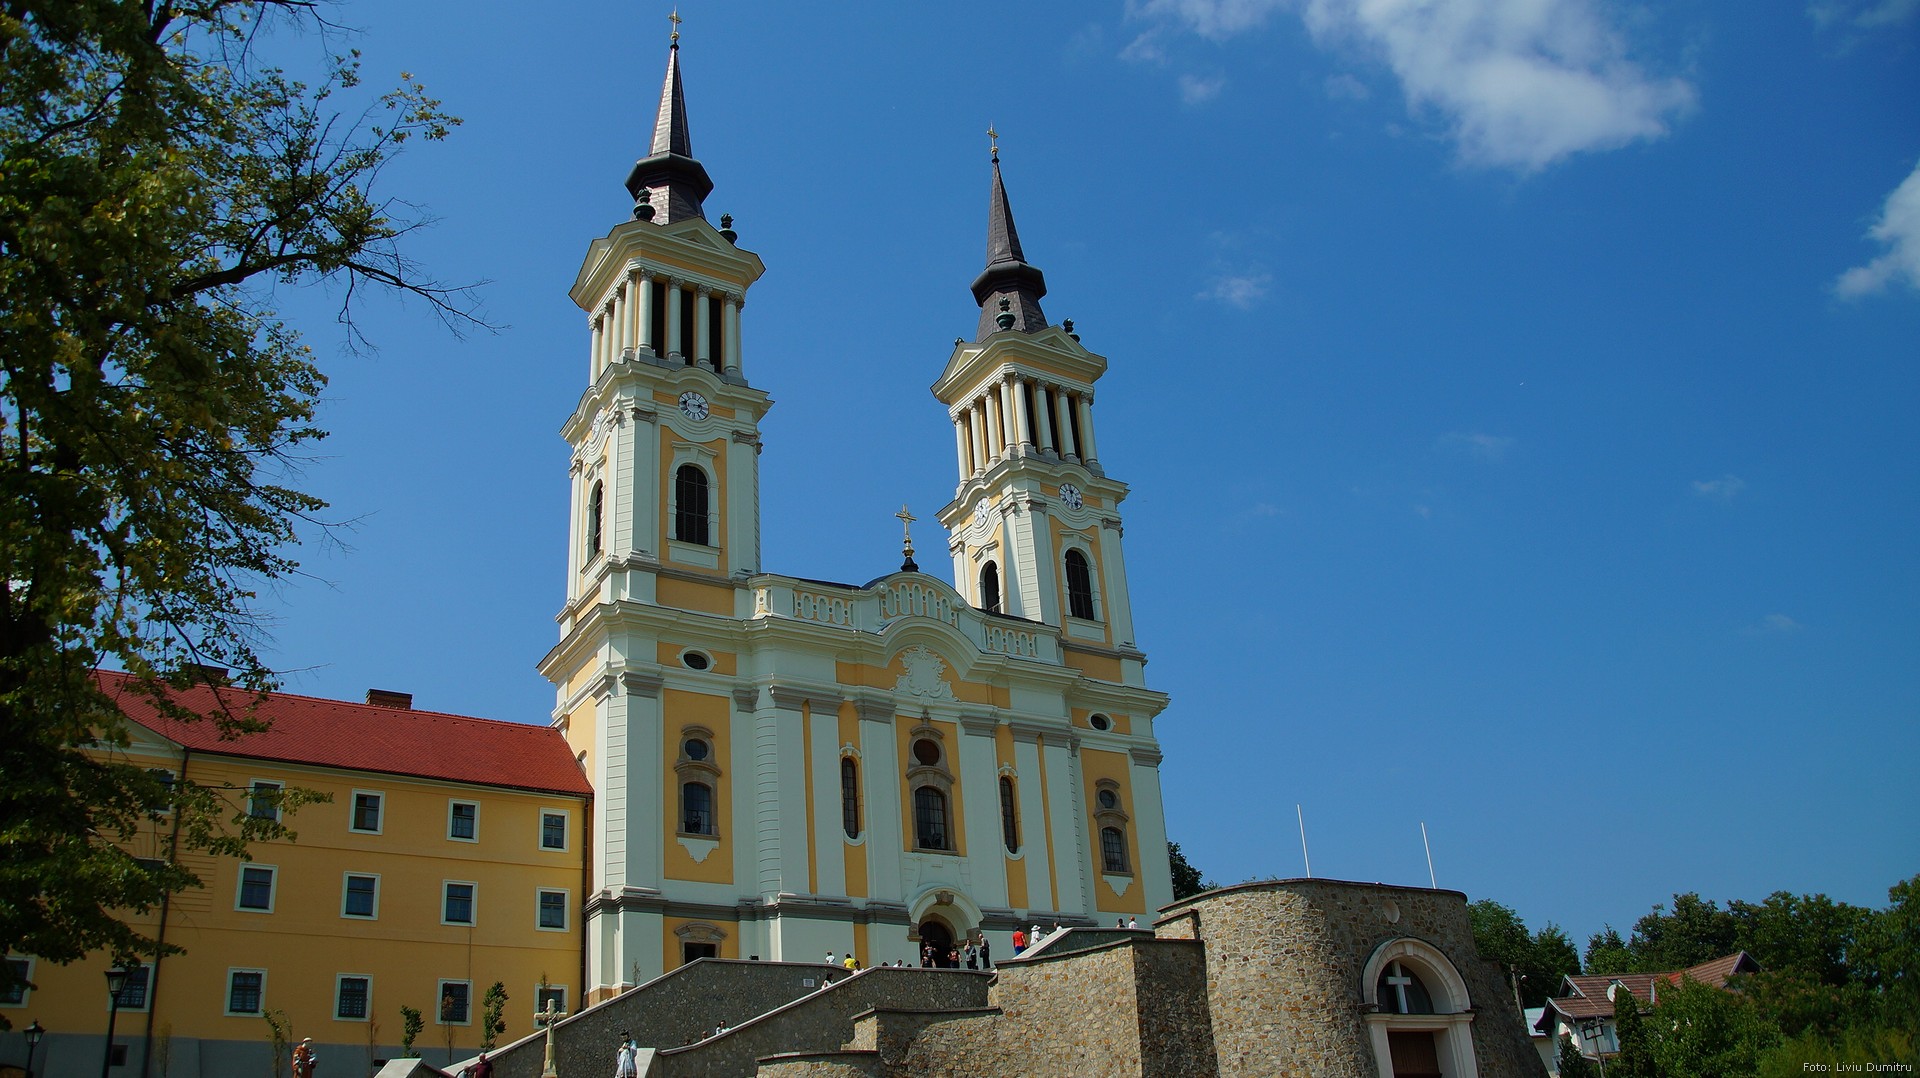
(674, 18)
(906, 531)
(995, 136)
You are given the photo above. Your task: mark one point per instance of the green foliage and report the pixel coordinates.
(1607, 953)
(1570, 1063)
(155, 181)
(1699, 1031)
(492, 1015)
(1635, 1058)
(1697, 930)
(1539, 959)
(411, 1023)
(280, 1035)
(1809, 1052)
(1186, 878)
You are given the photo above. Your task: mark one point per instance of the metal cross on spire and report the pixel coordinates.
(906, 519)
(674, 18)
(994, 136)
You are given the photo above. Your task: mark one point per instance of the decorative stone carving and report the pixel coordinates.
(925, 676)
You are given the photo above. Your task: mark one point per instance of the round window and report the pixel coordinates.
(695, 660)
(696, 749)
(1099, 722)
(926, 751)
(1109, 799)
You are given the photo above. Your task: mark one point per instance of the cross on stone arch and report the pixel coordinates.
(1398, 978)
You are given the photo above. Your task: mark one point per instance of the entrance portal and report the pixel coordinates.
(934, 933)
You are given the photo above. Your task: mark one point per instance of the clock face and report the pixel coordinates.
(1070, 495)
(693, 405)
(980, 512)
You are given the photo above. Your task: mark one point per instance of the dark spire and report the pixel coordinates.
(1007, 276)
(672, 181)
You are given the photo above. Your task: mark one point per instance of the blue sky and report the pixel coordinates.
(1517, 396)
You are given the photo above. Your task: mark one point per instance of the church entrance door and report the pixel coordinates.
(1414, 1054)
(935, 933)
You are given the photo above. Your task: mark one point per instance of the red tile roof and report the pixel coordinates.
(1589, 992)
(365, 737)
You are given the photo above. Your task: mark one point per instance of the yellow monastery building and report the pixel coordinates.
(740, 763)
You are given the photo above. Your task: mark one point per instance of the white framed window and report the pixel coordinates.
(552, 906)
(352, 997)
(369, 812)
(555, 992)
(457, 902)
(456, 1003)
(463, 821)
(256, 891)
(162, 804)
(263, 799)
(554, 829)
(246, 992)
(17, 993)
(360, 896)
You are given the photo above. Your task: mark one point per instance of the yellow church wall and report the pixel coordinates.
(304, 942)
(1099, 667)
(690, 595)
(903, 727)
(854, 854)
(662, 396)
(1095, 765)
(724, 662)
(683, 709)
(1120, 724)
(860, 952)
(886, 677)
(717, 503)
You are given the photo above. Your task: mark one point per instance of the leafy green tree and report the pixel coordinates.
(1634, 1059)
(1537, 960)
(1697, 930)
(493, 1007)
(1699, 1031)
(1570, 1063)
(157, 181)
(1186, 878)
(411, 1024)
(1890, 955)
(1607, 953)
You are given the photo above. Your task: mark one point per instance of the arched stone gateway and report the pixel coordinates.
(1419, 1011)
(945, 918)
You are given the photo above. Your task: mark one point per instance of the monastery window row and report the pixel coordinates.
(360, 898)
(246, 992)
(368, 816)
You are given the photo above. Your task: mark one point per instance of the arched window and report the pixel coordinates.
(990, 588)
(930, 819)
(696, 808)
(690, 505)
(596, 512)
(850, 796)
(1113, 850)
(1079, 586)
(1009, 823)
(1400, 991)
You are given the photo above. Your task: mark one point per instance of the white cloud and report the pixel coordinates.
(1145, 49)
(1195, 90)
(1491, 447)
(1899, 229)
(1344, 87)
(1863, 14)
(1722, 489)
(1240, 290)
(1776, 623)
(1520, 83)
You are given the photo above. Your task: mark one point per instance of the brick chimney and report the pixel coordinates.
(389, 698)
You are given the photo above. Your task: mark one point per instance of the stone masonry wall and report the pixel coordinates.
(1285, 961)
(824, 1021)
(668, 1011)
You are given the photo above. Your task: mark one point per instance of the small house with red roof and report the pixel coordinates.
(1583, 1009)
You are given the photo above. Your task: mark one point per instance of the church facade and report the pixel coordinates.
(785, 767)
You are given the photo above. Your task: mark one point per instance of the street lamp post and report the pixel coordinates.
(116, 980)
(33, 1034)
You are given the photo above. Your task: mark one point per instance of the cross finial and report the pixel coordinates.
(995, 137)
(674, 18)
(906, 519)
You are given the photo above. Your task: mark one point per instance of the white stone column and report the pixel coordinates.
(880, 770)
(961, 448)
(1087, 452)
(1033, 816)
(780, 785)
(576, 528)
(672, 344)
(1022, 423)
(1082, 850)
(829, 836)
(1150, 828)
(1042, 404)
(978, 428)
(730, 327)
(1003, 389)
(986, 851)
(1113, 583)
(1061, 406)
(632, 799)
(702, 346)
(621, 315)
(742, 503)
(597, 332)
(645, 335)
(994, 426)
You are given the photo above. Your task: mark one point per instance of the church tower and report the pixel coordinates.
(1034, 526)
